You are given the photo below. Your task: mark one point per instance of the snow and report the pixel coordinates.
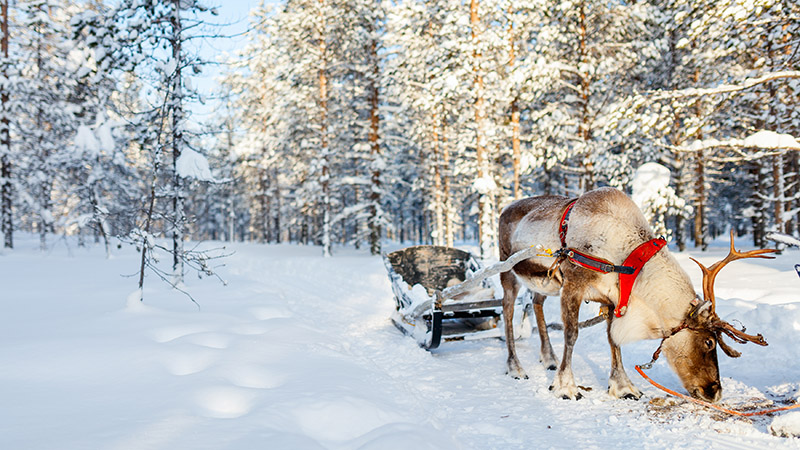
(484, 185)
(655, 197)
(648, 179)
(787, 425)
(105, 135)
(771, 139)
(763, 139)
(194, 165)
(86, 141)
(783, 239)
(299, 352)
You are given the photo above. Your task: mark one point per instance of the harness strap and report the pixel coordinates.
(595, 263)
(637, 259)
(563, 225)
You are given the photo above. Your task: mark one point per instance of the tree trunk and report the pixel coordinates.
(700, 222)
(45, 216)
(375, 229)
(484, 180)
(584, 126)
(449, 211)
(516, 155)
(438, 194)
(778, 190)
(791, 193)
(700, 219)
(178, 183)
(759, 205)
(6, 211)
(324, 149)
(276, 209)
(231, 219)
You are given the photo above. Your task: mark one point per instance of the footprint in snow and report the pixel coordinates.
(225, 402)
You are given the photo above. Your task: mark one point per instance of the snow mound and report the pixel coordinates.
(787, 425)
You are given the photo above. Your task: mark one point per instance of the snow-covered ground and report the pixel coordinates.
(298, 352)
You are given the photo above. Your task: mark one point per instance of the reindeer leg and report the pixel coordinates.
(619, 385)
(510, 290)
(546, 354)
(564, 382)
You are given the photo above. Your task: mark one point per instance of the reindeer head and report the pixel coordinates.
(692, 347)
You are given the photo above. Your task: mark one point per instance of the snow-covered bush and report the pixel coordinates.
(656, 198)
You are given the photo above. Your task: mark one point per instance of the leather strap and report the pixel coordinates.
(595, 263)
(563, 225)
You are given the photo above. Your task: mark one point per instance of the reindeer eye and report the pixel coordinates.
(710, 343)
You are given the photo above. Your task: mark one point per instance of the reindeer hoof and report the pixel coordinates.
(517, 374)
(515, 370)
(569, 392)
(630, 397)
(551, 367)
(578, 396)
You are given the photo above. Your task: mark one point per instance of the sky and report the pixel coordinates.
(233, 15)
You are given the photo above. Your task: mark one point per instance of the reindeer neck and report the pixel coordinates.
(660, 301)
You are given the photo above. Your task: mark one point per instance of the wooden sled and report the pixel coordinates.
(444, 294)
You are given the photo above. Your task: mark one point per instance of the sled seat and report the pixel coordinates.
(432, 267)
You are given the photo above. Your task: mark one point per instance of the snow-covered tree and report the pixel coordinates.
(149, 38)
(45, 117)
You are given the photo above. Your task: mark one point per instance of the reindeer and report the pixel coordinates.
(600, 227)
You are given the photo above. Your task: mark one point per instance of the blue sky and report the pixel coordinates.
(233, 13)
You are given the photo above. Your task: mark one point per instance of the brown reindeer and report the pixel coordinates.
(600, 229)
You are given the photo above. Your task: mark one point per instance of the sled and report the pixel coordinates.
(444, 294)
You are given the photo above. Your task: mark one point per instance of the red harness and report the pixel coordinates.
(637, 259)
(627, 271)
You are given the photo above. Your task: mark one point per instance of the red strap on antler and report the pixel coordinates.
(637, 259)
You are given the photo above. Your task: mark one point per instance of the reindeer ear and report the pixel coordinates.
(726, 348)
(699, 306)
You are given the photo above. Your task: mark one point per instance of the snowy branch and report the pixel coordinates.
(725, 88)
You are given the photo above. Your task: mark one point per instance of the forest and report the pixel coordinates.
(362, 122)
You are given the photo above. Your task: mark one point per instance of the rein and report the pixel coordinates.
(711, 405)
(657, 353)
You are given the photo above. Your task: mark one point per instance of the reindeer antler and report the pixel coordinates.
(738, 335)
(716, 324)
(710, 273)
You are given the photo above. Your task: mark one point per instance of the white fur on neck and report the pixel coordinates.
(655, 315)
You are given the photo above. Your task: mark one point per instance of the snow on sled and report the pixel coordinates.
(445, 294)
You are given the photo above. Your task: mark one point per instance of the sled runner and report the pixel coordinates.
(445, 294)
